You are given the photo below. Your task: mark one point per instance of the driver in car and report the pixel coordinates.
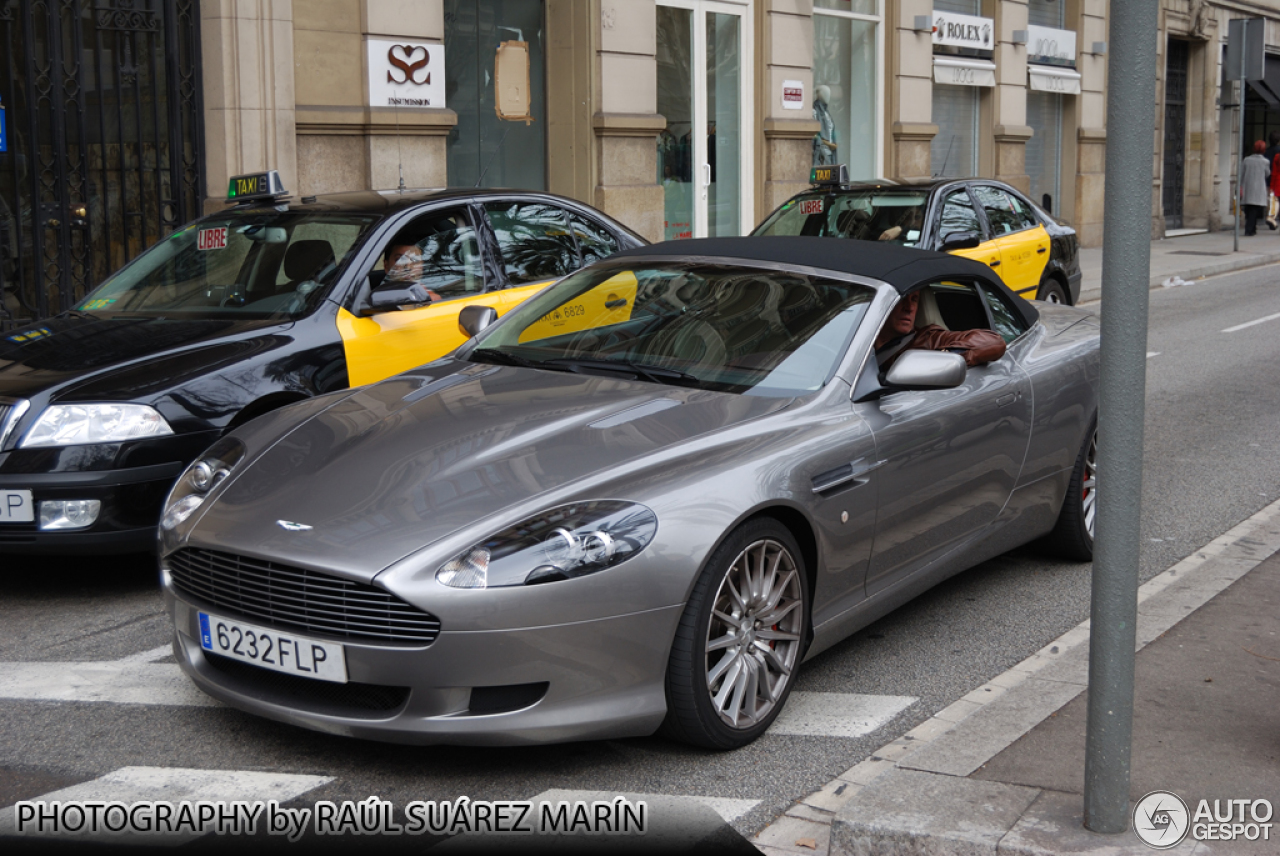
(899, 334)
(405, 266)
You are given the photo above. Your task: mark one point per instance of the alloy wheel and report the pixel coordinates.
(753, 639)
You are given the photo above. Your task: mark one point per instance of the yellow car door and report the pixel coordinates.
(439, 252)
(1022, 241)
(958, 215)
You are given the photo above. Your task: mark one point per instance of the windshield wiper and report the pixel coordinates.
(502, 358)
(656, 374)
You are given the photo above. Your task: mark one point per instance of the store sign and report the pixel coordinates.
(1064, 81)
(959, 71)
(405, 74)
(1048, 46)
(793, 94)
(963, 31)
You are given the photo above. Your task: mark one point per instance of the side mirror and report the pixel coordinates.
(387, 299)
(926, 370)
(960, 241)
(473, 319)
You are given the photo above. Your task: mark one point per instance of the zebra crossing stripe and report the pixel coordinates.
(173, 785)
(811, 714)
(126, 681)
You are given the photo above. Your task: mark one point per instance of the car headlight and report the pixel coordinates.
(82, 424)
(565, 542)
(205, 473)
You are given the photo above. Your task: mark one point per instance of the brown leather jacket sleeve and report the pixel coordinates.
(976, 346)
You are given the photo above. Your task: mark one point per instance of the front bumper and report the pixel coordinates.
(603, 679)
(130, 479)
(131, 499)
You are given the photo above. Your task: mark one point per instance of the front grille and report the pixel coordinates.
(349, 699)
(288, 597)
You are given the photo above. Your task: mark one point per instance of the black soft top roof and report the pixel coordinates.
(905, 268)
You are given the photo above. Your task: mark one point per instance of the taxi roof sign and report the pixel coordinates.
(258, 185)
(835, 174)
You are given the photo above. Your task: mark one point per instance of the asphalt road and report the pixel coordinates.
(1213, 432)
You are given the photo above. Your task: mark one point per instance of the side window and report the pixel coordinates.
(958, 215)
(1022, 212)
(1002, 216)
(438, 251)
(1007, 322)
(594, 240)
(953, 305)
(534, 240)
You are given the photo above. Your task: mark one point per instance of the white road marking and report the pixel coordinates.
(1151, 354)
(837, 714)
(173, 785)
(114, 681)
(148, 656)
(1251, 323)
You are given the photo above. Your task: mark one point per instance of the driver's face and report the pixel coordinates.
(903, 317)
(405, 258)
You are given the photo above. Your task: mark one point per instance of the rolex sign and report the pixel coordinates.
(404, 73)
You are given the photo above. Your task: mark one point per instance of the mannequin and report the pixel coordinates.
(824, 142)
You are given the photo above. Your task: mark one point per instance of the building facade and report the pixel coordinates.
(683, 118)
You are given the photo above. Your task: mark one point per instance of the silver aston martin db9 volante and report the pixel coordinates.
(637, 502)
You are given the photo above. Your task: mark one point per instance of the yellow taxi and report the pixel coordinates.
(269, 303)
(983, 219)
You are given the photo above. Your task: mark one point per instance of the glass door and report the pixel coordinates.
(704, 155)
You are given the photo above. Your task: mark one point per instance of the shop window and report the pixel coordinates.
(954, 150)
(846, 74)
(487, 148)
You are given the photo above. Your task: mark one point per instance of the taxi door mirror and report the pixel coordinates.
(390, 299)
(473, 319)
(960, 241)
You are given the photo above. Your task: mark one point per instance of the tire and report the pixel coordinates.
(1072, 537)
(1051, 291)
(716, 698)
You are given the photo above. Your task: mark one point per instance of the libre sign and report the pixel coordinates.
(405, 74)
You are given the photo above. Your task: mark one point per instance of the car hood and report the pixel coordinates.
(404, 463)
(73, 350)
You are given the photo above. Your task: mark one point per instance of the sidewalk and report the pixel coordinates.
(1188, 257)
(1001, 771)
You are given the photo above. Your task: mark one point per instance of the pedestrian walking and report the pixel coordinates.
(1255, 190)
(1273, 152)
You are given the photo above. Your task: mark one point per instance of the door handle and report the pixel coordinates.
(1006, 399)
(1043, 250)
(995, 263)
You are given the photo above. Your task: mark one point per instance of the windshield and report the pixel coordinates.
(866, 214)
(721, 327)
(261, 264)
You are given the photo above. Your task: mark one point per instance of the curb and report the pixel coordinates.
(923, 802)
(1091, 292)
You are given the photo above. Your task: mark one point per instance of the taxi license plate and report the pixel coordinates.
(271, 649)
(16, 507)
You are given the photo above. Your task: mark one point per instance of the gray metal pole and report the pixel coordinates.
(1235, 237)
(1126, 269)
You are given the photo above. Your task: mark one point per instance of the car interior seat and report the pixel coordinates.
(304, 261)
(927, 313)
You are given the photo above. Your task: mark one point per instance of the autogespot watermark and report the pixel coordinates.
(373, 816)
(1162, 820)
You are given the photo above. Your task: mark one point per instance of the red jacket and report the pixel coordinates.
(976, 346)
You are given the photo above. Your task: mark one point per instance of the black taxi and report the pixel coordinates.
(265, 304)
(1036, 255)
